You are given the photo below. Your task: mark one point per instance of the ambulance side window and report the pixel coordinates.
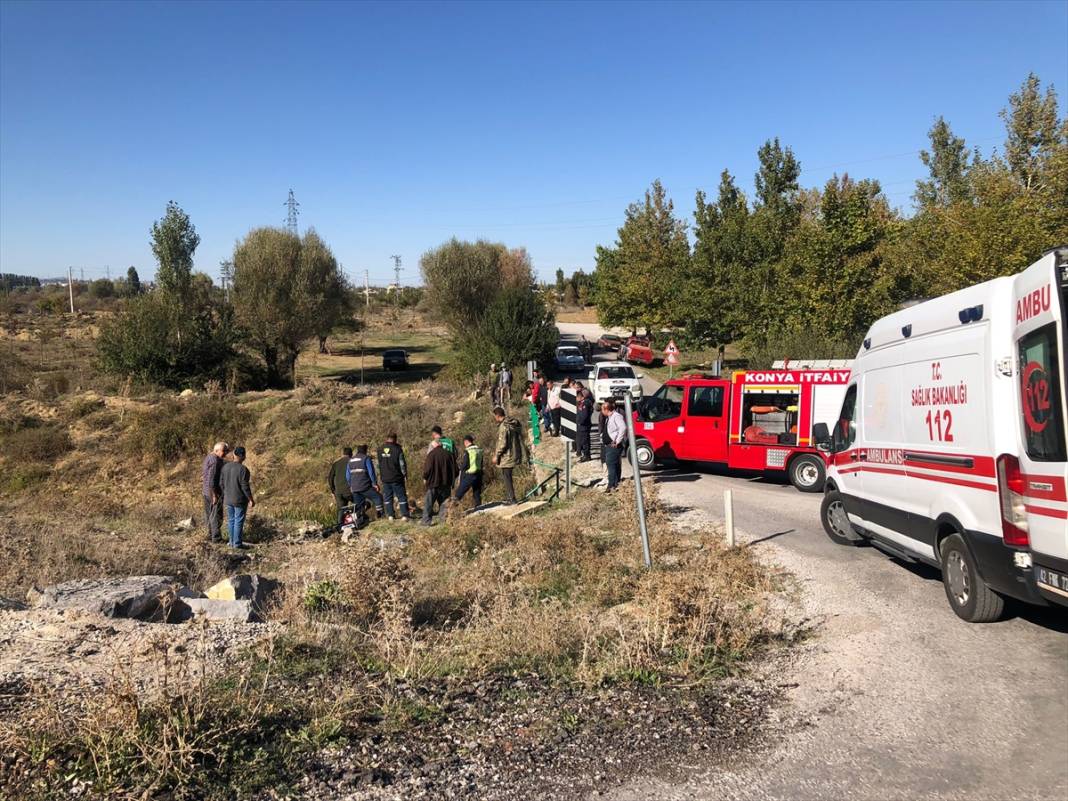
(706, 402)
(845, 431)
(1040, 395)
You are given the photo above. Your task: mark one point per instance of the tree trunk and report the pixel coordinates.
(270, 356)
(291, 360)
(322, 344)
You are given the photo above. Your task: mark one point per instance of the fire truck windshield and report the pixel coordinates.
(663, 404)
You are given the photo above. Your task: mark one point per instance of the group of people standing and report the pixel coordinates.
(543, 395)
(449, 472)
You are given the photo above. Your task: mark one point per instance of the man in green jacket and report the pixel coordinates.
(470, 471)
(339, 483)
(511, 450)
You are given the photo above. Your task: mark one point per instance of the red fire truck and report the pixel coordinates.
(756, 420)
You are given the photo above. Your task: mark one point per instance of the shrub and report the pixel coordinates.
(187, 428)
(143, 341)
(36, 442)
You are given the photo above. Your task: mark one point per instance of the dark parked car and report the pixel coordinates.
(610, 342)
(395, 360)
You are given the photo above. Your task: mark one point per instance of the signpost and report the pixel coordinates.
(637, 471)
(568, 431)
(671, 357)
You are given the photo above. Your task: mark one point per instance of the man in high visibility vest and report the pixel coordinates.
(470, 471)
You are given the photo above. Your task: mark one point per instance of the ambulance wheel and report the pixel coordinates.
(968, 594)
(646, 457)
(836, 522)
(807, 473)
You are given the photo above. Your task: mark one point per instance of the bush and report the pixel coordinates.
(35, 443)
(144, 341)
(188, 428)
(516, 327)
(102, 288)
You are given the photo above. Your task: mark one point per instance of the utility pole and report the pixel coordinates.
(367, 319)
(396, 286)
(107, 271)
(70, 288)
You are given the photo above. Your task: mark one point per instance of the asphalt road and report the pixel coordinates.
(896, 698)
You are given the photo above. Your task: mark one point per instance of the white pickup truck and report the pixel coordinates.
(613, 379)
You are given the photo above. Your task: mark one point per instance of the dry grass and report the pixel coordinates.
(562, 595)
(94, 485)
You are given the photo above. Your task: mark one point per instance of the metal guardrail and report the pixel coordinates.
(540, 489)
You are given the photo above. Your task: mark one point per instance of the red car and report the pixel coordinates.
(636, 350)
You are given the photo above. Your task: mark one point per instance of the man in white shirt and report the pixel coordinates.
(554, 407)
(617, 438)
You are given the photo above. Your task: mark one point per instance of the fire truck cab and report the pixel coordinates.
(758, 420)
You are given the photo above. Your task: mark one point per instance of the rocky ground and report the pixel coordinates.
(518, 738)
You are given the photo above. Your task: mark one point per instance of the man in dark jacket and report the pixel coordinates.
(360, 476)
(393, 473)
(583, 424)
(470, 471)
(339, 484)
(235, 480)
(439, 472)
(213, 501)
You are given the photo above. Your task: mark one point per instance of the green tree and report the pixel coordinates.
(462, 279)
(141, 341)
(279, 295)
(174, 240)
(560, 283)
(102, 288)
(517, 326)
(715, 297)
(775, 215)
(1034, 132)
(133, 282)
(638, 281)
(947, 162)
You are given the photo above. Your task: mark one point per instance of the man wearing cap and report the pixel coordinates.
(237, 495)
(213, 501)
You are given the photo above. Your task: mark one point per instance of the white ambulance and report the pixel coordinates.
(950, 446)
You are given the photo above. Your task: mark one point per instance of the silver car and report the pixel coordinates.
(568, 357)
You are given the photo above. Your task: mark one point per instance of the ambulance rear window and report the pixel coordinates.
(1040, 395)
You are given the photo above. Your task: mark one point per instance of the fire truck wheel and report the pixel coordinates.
(835, 521)
(807, 473)
(644, 450)
(968, 594)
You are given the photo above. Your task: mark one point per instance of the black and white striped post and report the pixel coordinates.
(568, 431)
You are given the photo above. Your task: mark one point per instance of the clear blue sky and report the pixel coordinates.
(399, 125)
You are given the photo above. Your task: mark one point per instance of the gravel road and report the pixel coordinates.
(896, 697)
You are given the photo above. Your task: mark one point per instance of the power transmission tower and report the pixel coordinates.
(226, 273)
(396, 282)
(291, 214)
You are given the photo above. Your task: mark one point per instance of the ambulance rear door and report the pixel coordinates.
(1040, 482)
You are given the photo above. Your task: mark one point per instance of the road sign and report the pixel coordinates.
(568, 414)
(672, 349)
(672, 358)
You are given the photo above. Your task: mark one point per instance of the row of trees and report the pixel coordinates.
(485, 294)
(817, 266)
(285, 290)
(576, 290)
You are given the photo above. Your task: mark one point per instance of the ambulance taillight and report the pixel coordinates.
(1011, 492)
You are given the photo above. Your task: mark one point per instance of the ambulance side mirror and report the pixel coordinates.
(821, 435)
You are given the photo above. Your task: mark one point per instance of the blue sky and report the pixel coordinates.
(400, 125)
